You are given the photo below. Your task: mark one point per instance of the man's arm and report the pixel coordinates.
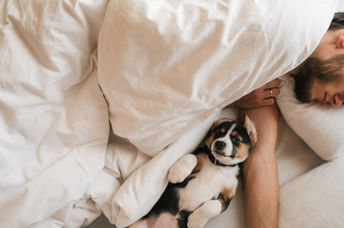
(261, 190)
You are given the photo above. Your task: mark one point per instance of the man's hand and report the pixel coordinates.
(263, 96)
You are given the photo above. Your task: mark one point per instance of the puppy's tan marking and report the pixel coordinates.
(226, 195)
(200, 163)
(210, 139)
(234, 133)
(242, 151)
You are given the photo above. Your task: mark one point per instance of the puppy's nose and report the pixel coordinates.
(220, 145)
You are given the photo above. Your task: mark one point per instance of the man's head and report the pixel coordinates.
(321, 77)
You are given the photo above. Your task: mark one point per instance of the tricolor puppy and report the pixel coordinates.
(202, 184)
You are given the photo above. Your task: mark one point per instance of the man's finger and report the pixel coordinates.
(271, 92)
(268, 101)
(272, 84)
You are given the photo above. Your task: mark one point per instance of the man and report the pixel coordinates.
(319, 79)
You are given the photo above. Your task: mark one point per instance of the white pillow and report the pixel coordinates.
(319, 125)
(314, 199)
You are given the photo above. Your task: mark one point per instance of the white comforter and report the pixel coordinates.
(168, 65)
(194, 57)
(53, 117)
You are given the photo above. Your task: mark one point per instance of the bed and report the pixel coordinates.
(87, 87)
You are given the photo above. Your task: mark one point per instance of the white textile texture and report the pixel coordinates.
(53, 117)
(169, 64)
(314, 199)
(319, 125)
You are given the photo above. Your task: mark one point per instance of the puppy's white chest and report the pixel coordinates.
(208, 184)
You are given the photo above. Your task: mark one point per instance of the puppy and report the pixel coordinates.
(202, 184)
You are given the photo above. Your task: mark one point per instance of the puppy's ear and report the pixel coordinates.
(210, 131)
(251, 129)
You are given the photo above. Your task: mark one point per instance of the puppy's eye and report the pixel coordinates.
(220, 130)
(236, 141)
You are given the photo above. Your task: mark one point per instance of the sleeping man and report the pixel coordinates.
(319, 79)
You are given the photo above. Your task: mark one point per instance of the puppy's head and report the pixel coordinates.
(230, 142)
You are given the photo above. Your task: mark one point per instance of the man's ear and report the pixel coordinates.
(251, 129)
(340, 40)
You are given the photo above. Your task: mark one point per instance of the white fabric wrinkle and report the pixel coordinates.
(316, 192)
(28, 39)
(163, 11)
(57, 130)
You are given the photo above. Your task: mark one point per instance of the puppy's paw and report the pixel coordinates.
(199, 217)
(194, 221)
(182, 169)
(177, 176)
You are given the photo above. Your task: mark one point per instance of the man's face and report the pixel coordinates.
(321, 81)
(321, 78)
(330, 92)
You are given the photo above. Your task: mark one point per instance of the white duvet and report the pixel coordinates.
(166, 68)
(53, 117)
(172, 63)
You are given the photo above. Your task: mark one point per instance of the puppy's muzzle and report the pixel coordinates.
(220, 149)
(219, 145)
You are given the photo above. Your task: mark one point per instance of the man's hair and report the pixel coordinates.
(318, 69)
(314, 68)
(337, 21)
